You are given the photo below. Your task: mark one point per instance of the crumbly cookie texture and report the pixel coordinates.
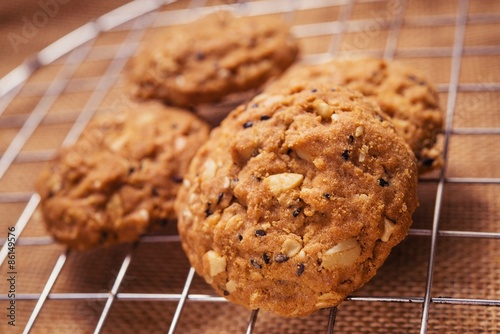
(296, 200)
(212, 57)
(400, 91)
(121, 177)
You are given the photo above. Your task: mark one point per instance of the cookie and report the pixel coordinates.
(121, 177)
(401, 92)
(296, 200)
(217, 55)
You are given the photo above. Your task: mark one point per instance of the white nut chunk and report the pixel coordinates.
(343, 254)
(363, 152)
(359, 131)
(291, 247)
(215, 262)
(388, 229)
(304, 154)
(231, 286)
(209, 169)
(323, 109)
(279, 183)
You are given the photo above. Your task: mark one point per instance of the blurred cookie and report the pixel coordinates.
(400, 91)
(121, 177)
(212, 57)
(296, 200)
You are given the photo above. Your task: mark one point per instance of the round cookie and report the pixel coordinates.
(296, 200)
(121, 177)
(400, 91)
(207, 59)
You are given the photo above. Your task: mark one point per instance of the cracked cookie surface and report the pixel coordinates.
(296, 200)
(401, 92)
(121, 177)
(205, 60)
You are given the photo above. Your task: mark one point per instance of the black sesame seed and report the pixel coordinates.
(266, 258)
(264, 118)
(255, 264)
(131, 170)
(297, 212)
(314, 90)
(427, 162)
(289, 151)
(332, 89)
(207, 211)
(280, 258)
(154, 191)
(327, 195)
(236, 179)
(219, 199)
(382, 182)
(199, 55)
(240, 237)
(177, 179)
(416, 80)
(260, 233)
(300, 269)
(226, 293)
(255, 105)
(248, 124)
(104, 236)
(345, 155)
(351, 138)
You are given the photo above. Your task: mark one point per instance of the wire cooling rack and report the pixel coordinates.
(444, 278)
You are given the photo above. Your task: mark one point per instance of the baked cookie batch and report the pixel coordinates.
(291, 203)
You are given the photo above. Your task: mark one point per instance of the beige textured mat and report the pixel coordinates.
(138, 288)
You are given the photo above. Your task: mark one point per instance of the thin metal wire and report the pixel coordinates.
(392, 40)
(21, 223)
(55, 88)
(457, 234)
(458, 43)
(211, 298)
(344, 18)
(114, 291)
(182, 301)
(252, 321)
(104, 85)
(48, 286)
(331, 320)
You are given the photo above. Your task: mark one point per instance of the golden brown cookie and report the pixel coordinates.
(296, 200)
(401, 92)
(121, 177)
(212, 57)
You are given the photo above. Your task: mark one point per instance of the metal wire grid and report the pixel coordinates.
(146, 14)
